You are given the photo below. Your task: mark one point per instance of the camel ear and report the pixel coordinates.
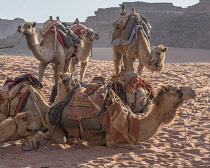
(24, 117)
(164, 88)
(34, 24)
(83, 31)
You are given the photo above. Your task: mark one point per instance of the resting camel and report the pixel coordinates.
(83, 52)
(138, 100)
(51, 50)
(36, 104)
(162, 112)
(138, 49)
(23, 125)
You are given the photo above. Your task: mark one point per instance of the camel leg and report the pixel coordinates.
(72, 66)
(110, 143)
(117, 58)
(59, 68)
(42, 67)
(67, 63)
(140, 67)
(83, 69)
(56, 134)
(128, 62)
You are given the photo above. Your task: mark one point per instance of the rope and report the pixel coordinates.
(24, 143)
(12, 45)
(184, 145)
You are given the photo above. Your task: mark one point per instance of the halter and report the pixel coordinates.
(91, 50)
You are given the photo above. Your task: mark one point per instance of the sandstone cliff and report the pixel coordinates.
(172, 26)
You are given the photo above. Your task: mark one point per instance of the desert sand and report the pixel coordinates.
(186, 143)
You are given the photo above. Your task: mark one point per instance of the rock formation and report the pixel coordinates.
(172, 26)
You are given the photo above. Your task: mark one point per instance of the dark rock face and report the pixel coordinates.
(171, 26)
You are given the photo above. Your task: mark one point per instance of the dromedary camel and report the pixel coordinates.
(51, 50)
(138, 49)
(23, 125)
(83, 53)
(36, 103)
(138, 100)
(163, 111)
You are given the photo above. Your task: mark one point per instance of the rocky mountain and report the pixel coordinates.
(172, 26)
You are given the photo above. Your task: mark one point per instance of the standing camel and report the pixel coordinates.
(138, 49)
(51, 50)
(84, 51)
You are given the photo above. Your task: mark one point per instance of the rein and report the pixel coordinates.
(13, 45)
(91, 50)
(24, 143)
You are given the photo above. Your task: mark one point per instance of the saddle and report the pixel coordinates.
(76, 108)
(15, 92)
(133, 90)
(86, 102)
(124, 35)
(65, 36)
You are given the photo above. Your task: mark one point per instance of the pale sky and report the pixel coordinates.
(67, 10)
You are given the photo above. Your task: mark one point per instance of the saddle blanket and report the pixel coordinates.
(119, 41)
(85, 105)
(121, 124)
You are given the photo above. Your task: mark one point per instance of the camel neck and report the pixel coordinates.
(151, 124)
(84, 49)
(39, 52)
(143, 47)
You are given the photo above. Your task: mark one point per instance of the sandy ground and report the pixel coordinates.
(166, 148)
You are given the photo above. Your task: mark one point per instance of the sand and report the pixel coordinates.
(166, 149)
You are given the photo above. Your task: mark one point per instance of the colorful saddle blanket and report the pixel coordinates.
(15, 92)
(86, 103)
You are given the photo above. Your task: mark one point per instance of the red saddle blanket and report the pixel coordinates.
(58, 36)
(76, 28)
(12, 100)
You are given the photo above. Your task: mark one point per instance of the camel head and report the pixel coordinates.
(89, 34)
(27, 28)
(157, 59)
(27, 128)
(68, 81)
(171, 97)
(98, 80)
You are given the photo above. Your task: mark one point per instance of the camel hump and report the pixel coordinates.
(126, 27)
(29, 78)
(77, 28)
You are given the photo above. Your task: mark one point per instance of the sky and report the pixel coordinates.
(40, 10)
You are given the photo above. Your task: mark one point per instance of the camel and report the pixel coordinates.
(51, 50)
(36, 104)
(84, 51)
(23, 125)
(162, 112)
(138, 49)
(135, 92)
